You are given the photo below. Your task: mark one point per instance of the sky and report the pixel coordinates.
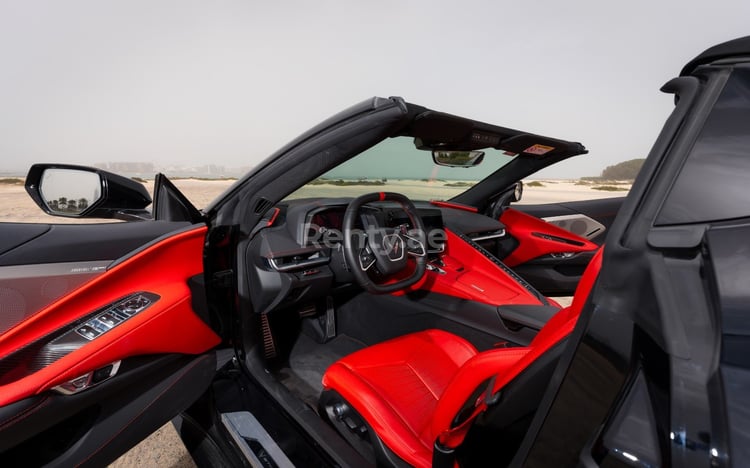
(229, 82)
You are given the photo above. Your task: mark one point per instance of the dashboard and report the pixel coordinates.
(321, 223)
(296, 255)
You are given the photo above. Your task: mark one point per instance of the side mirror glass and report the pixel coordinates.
(86, 192)
(70, 192)
(458, 158)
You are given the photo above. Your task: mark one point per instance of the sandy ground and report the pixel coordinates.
(17, 206)
(164, 447)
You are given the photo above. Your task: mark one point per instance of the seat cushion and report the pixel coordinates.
(395, 387)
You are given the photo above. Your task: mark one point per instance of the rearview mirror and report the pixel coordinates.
(86, 192)
(458, 158)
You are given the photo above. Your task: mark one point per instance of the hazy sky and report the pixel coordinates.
(228, 82)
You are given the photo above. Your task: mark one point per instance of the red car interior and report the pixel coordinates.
(470, 275)
(410, 389)
(538, 238)
(169, 325)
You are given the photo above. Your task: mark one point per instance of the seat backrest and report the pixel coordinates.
(563, 322)
(504, 365)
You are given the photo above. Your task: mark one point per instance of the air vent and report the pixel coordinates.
(262, 205)
(301, 261)
(487, 235)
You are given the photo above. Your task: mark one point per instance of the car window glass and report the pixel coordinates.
(396, 165)
(713, 184)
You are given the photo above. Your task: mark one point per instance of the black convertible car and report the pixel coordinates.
(370, 295)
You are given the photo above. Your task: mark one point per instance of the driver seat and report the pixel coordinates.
(414, 398)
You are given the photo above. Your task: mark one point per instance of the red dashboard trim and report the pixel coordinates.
(275, 215)
(470, 275)
(457, 206)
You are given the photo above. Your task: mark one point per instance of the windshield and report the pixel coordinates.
(396, 165)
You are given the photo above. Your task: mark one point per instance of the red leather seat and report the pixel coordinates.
(411, 389)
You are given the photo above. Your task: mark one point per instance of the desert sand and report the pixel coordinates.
(17, 206)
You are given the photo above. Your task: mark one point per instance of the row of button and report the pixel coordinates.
(113, 317)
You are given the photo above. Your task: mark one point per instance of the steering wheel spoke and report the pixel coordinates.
(366, 258)
(415, 244)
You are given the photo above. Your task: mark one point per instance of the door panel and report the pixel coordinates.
(55, 243)
(602, 211)
(40, 263)
(568, 235)
(579, 224)
(141, 307)
(539, 239)
(27, 289)
(167, 324)
(94, 427)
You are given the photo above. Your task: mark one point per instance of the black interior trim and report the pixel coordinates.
(83, 242)
(531, 316)
(16, 234)
(109, 418)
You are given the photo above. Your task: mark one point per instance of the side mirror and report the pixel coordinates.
(457, 158)
(517, 191)
(505, 198)
(85, 192)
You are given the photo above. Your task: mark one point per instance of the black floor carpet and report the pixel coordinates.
(308, 362)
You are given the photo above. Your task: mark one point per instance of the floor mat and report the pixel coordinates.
(309, 360)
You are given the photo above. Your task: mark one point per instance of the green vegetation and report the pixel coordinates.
(599, 181)
(347, 183)
(459, 184)
(535, 183)
(609, 188)
(626, 170)
(11, 181)
(205, 179)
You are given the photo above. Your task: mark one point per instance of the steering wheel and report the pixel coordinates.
(382, 248)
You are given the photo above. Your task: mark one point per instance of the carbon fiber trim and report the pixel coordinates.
(58, 344)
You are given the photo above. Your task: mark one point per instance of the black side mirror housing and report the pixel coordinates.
(84, 192)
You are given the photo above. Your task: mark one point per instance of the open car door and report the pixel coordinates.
(104, 330)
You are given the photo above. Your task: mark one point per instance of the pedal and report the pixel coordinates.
(330, 319)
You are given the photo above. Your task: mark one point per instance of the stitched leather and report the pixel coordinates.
(410, 389)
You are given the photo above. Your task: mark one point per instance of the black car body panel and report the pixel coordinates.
(653, 322)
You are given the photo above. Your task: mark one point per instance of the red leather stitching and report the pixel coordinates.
(23, 414)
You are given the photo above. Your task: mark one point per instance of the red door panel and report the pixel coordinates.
(538, 238)
(46, 349)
